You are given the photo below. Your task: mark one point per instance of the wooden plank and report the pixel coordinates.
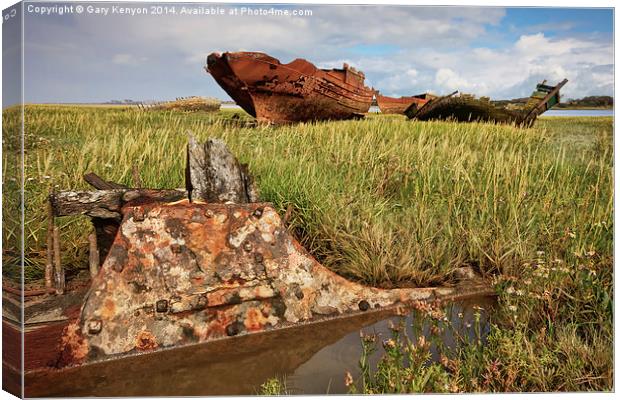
(107, 204)
(542, 105)
(100, 203)
(99, 183)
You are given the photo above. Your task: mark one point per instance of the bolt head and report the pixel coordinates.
(138, 214)
(234, 328)
(94, 326)
(247, 246)
(258, 212)
(177, 248)
(161, 306)
(363, 305)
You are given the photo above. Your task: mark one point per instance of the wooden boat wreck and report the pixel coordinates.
(466, 108)
(398, 105)
(179, 267)
(298, 91)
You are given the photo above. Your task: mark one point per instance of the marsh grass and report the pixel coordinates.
(186, 104)
(274, 387)
(382, 200)
(387, 202)
(551, 331)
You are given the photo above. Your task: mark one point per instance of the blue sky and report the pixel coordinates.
(404, 50)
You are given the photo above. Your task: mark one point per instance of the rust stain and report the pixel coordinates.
(192, 272)
(254, 320)
(283, 93)
(108, 309)
(74, 348)
(398, 105)
(146, 341)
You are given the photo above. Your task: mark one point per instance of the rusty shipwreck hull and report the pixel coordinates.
(182, 273)
(283, 93)
(466, 108)
(398, 105)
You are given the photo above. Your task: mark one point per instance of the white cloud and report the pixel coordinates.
(447, 78)
(127, 59)
(433, 49)
(511, 71)
(394, 84)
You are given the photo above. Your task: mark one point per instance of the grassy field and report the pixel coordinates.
(387, 202)
(382, 200)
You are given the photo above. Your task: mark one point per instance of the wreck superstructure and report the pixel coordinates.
(298, 91)
(398, 105)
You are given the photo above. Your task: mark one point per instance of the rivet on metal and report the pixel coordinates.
(233, 329)
(258, 212)
(260, 268)
(209, 214)
(161, 306)
(94, 326)
(363, 305)
(247, 246)
(138, 214)
(177, 248)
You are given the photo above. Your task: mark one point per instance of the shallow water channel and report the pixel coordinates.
(313, 359)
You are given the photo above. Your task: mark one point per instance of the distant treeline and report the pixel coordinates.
(589, 101)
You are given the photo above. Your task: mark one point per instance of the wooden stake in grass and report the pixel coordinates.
(49, 265)
(93, 257)
(60, 273)
(213, 174)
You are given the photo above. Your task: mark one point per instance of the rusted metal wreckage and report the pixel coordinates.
(298, 91)
(182, 267)
(398, 105)
(466, 108)
(278, 93)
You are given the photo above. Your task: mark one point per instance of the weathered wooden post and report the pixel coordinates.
(213, 174)
(93, 256)
(59, 271)
(49, 265)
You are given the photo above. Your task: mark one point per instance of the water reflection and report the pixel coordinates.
(324, 372)
(313, 360)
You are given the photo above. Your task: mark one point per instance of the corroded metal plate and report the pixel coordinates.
(181, 273)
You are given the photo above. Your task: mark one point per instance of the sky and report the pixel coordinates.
(403, 50)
